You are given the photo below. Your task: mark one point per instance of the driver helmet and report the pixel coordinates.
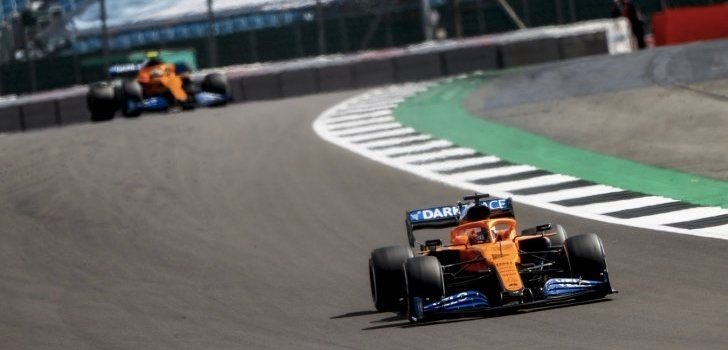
(152, 58)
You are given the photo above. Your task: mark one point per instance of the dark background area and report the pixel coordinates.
(348, 27)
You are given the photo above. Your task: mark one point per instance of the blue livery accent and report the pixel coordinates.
(155, 103)
(159, 103)
(150, 104)
(437, 213)
(558, 287)
(454, 211)
(465, 301)
(206, 98)
(121, 69)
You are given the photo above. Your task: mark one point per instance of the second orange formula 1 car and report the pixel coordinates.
(487, 265)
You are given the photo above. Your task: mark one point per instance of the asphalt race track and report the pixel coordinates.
(238, 228)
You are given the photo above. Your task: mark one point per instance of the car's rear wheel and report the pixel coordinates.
(557, 241)
(101, 102)
(131, 98)
(386, 277)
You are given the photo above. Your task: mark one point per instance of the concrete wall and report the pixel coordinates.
(296, 79)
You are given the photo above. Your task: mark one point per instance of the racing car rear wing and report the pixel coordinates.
(449, 216)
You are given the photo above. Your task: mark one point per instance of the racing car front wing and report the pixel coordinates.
(159, 103)
(555, 290)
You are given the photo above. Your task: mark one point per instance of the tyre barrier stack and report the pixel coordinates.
(303, 77)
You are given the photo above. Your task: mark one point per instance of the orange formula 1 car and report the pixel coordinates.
(488, 265)
(155, 86)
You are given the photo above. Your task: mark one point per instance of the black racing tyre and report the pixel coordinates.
(101, 102)
(585, 256)
(131, 91)
(557, 241)
(216, 83)
(386, 277)
(424, 277)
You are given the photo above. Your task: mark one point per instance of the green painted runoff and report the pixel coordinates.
(439, 112)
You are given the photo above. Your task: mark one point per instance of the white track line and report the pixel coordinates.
(360, 116)
(436, 155)
(462, 163)
(610, 207)
(357, 144)
(709, 230)
(376, 135)
(681, 215)
(534, 182)
(366, 129)
(394, 142)
(415, 148)
(573, 193)
(361, 122)
(488, 173)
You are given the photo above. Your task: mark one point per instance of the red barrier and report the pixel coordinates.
(686, 24)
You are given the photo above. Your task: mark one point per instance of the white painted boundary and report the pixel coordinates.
(425, 171)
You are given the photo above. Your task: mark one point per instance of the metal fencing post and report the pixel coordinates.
(457, 18)
(105, 39)
(480, 16)
(526, 12)
(298, 39)
(321, 30)
(389, 35)
(426, 20)
(572, 10)
(559, 12)
(343, 34)
(2, 57)
(211, 36)
(253, 45)
(31, 61)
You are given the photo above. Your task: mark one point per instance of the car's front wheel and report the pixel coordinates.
(131, 98)
(217, 83)
(425, 281)
(386, 277)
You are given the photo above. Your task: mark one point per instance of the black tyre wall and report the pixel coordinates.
(217, 83)
(386, 276)
(557, 241)
(424, 277)
(585, 255)
(131, 90)
(101, 102)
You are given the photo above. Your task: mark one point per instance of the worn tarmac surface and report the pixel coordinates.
(666, 107)
(238, 228)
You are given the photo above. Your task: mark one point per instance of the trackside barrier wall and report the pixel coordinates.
(414, 67)
(321, 74)
(236, 88)
(262, 87)
(583, 45)
(335, 77)
(373, 72)
(10, 119)
(521, 53)
(40, 115)
(73, 110)
(298, 82)
(469, 59)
